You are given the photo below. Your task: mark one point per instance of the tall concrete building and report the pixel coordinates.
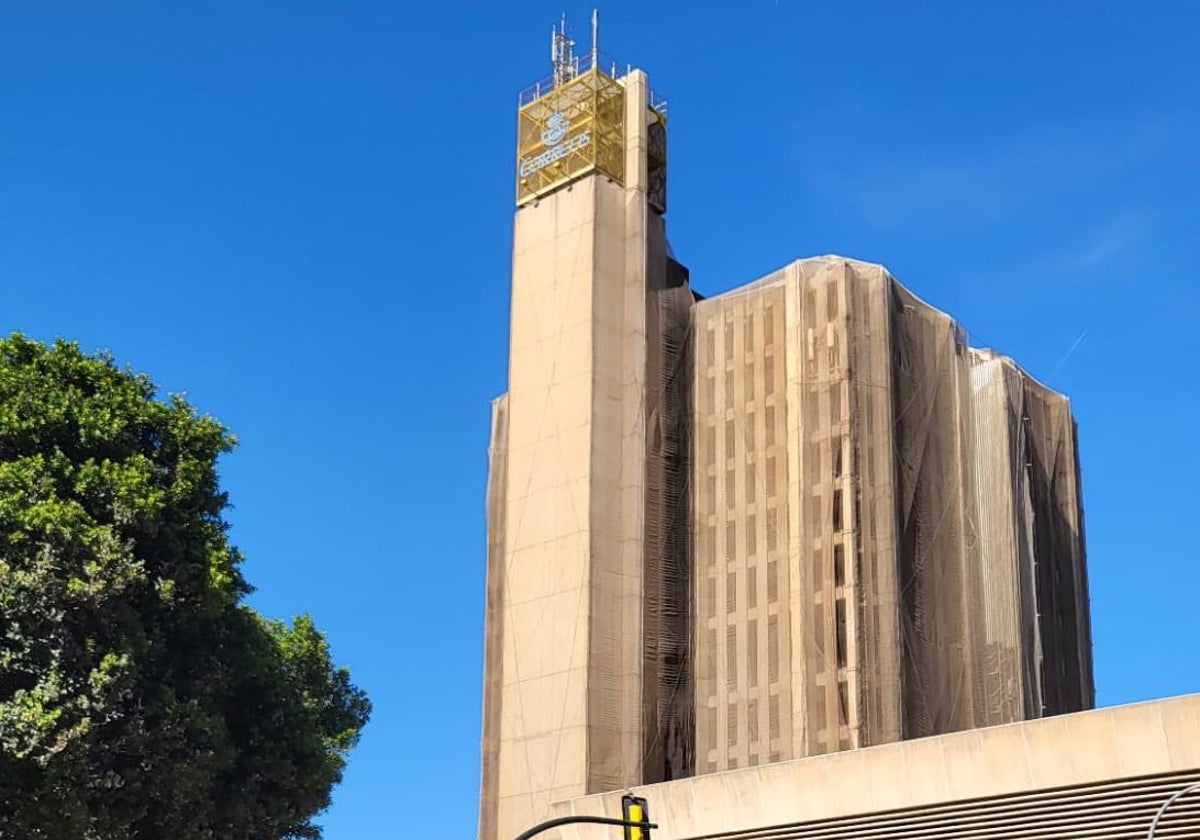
(796, 518)
(888, 535)
(585, 641)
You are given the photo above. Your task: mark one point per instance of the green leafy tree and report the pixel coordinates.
(139, 696)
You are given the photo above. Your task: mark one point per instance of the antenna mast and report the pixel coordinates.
(562, 53)
(595, 37)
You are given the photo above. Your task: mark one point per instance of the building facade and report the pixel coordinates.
(796, 518)
(888, 536)
(586, 639)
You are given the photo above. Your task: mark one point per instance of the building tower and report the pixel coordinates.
(584, 684)
(799, 517)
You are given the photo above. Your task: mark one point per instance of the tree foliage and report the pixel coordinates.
(139, 696)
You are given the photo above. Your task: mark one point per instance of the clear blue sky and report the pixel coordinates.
(299, 214)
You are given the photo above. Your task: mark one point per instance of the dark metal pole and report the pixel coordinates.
(554, 823)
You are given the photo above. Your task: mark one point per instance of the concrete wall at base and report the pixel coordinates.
(1105, 745)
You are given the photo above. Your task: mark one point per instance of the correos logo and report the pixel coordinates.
(556, 128)
(553, 136)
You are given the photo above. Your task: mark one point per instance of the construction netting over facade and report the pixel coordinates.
(888, 532)
(799, 517)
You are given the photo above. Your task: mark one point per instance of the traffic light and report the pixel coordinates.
(634, 810)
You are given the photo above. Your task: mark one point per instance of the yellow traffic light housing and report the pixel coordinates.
(634, 810)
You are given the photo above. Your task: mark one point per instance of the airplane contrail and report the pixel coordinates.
(1072, 349)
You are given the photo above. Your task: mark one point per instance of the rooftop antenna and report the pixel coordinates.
(595, 37)
(561, 53)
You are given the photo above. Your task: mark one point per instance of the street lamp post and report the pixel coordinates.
(1174, 798)
(556, 822)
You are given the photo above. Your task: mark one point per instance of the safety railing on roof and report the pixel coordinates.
(579, 65)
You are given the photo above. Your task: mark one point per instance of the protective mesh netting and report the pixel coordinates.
(854, 529)
(887, 524)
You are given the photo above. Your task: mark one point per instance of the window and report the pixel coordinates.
(751, 485)
(730, 541)
(773, 649)
(709, 660)
(770, 476)
(769, 375)
(773, 716)
(772, 530)
(752, 727)
(839, 565)
(730, 591)
(752, 652)
(751, 587)
(751, 534)
(769, 423)
(728, 339)
(837, 510)
(820, 707)
(731, 662)
(772, 582)
(839, 631)
(769, 326)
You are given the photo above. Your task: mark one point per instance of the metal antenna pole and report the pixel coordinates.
(561, 55)
(595, 37)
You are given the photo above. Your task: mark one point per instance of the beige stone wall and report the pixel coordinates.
(742, 575)
(1132, 757)
(564, 658)
(795, 587)
(547, 550)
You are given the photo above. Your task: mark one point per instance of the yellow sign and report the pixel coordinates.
(574, 129)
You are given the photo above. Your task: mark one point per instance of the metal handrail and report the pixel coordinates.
(580, 64)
